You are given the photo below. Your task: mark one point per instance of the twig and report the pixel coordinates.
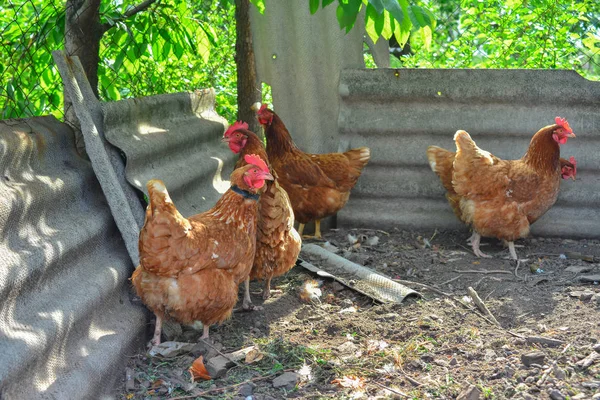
(432, 289)
(589, 360)
(489, 294)
(424, 286)
(481, 305)
(399, 393)
(477, 271)
(259, 378)
(130, 13)
(551, 367)
(432, 236)
(543, 254)
(450, 280)
(544, 340)
(220, 353)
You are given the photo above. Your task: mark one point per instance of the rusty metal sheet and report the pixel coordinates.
(398, 113)
(66, 322)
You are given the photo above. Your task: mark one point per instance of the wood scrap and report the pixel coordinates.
(481, 305)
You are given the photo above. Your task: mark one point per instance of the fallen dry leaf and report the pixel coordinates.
(350, 381)
(157, 383)
(254, 355)
(198, 370)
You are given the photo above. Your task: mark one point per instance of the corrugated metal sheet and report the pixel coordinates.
(66, 322)
(302, 64)
(398, 113)
(176, 138)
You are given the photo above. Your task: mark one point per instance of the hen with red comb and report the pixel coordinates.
(502, 198)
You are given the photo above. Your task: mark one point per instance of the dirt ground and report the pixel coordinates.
(346, 345)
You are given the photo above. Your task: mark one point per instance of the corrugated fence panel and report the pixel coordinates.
(66, 322)
(176, 138)
(303, 66)
(398, 113)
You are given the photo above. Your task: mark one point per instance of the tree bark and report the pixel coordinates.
(83, 32)
(248, 86)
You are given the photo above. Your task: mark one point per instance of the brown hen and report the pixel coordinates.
(190, 268)
(501, 198)
(318, 184)
(277, 242)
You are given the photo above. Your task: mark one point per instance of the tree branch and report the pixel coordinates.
(143, 6)
(86, 11)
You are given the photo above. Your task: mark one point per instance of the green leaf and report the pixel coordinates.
(394, 8)
(119, 60)
(388, 27)
(347, 12)
(370, 23)
(178, 50)
(326, 3)
(378, 4)
(314, 6)
(260, 4)
(419, 17)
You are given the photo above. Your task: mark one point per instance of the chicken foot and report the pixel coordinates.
(205, 330)
(247, 303)
(157, 331)
(475, 239)
(317, 231)
(267, 289)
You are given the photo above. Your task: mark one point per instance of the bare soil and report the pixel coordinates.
(428, 348)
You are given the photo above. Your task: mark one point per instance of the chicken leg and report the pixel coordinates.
(475, 244)
(157, 331)
(205, 332)
(317, 231)
(267, 288)
(511, 249)
(247, 303)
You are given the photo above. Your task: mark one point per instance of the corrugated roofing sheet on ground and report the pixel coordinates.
(66, 322)
(400, 112)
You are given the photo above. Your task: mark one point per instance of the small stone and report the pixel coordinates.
(286, 380)
(559, 373)
(508, 371)
(591, 385)
(579, 396)
(596, 396)
(427, 358)
(337, 287)
(440, 362)
(217, 366)
(246, 390)
(453, 361)
(347, 348)
(470, 393)
(596, 347)
(529, 379)
(556, 395)
(522, 387)
(596, 299)
(586, 296)
(535, 357)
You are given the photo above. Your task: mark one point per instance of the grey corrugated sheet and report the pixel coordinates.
(176, 138)
(66, 323)
(398, 113)
(302, 63)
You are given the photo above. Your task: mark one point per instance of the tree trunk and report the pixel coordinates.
(248, 87)
(83, 32)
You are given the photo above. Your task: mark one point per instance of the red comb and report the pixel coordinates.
(237, 125)
(573, 161)
(256, 160)
(563, 122)
(262, 108)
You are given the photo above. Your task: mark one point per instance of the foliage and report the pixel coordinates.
(174, 46)
(177, 46)
(511, 34)
(29, 80)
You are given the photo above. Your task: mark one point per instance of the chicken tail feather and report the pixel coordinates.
(359, 157)
(440, 161)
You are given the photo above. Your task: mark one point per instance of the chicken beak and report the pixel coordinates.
(571, 135)
(225, 139)
(266, 176)
(573, 177)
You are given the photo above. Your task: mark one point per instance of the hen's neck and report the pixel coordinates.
(279, 140)
(235, 208)
(253, 146)
(543, 153)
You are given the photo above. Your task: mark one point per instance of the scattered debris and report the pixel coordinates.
(198, 370)
(287, 380)
(481, 305)
(310, 292)
(470, 393)
(589, 360)
(171, 349)
(350, 381)
(535, 357)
